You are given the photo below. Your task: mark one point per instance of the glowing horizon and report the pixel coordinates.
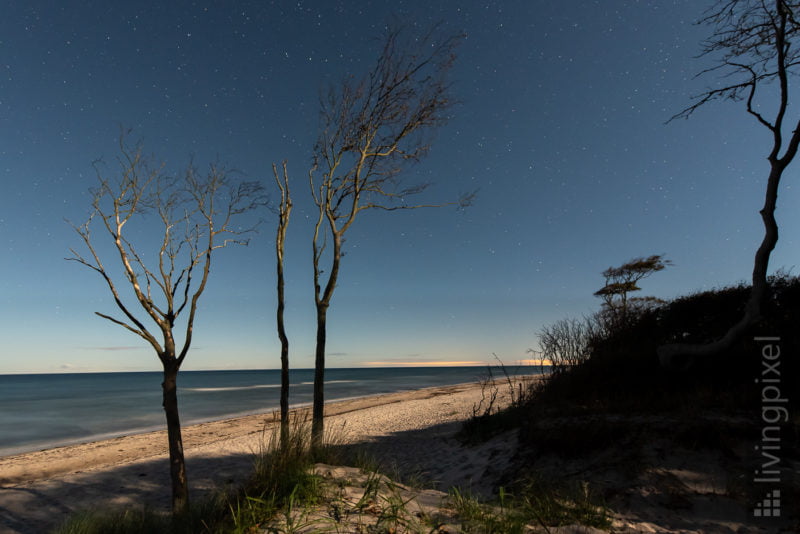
(535, 362)
(425, 364)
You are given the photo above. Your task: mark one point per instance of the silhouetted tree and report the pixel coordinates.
(570, 342)
(372, 129)
(753, 46)
(284, 212)
(618, 307)
(198, 214)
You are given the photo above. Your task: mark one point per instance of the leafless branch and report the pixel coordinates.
(753, 43)
(208, 206)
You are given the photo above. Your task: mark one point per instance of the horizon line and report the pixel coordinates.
(365, 365)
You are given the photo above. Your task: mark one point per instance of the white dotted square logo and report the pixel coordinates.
(770, 506)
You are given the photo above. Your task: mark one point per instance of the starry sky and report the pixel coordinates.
(560, 126)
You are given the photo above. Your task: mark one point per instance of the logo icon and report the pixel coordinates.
(770, 506)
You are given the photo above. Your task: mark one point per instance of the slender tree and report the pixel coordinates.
(198, 214)
(753, 46)
(372, 129)
(284, 212)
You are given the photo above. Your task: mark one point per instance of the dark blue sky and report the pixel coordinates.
(560, 126)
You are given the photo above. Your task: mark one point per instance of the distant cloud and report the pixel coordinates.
(128, 347)
(76, 368)
(416, 357)
(338, 353)
(70, 368)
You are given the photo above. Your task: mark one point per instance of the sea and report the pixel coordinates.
(41, 411)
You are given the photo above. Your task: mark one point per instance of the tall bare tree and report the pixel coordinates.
(372, 129)
(197, 215)
(753, 45)
(284, 212)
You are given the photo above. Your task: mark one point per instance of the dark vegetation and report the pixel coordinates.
(609, 409)
(621, 370)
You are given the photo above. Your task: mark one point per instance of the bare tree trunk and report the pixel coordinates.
(284, 358)
(177, 464)
(318, 412)
(322, 304)
(284, 213)
(672, 354)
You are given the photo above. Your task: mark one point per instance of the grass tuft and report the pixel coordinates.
(282, 481)
(199, 519)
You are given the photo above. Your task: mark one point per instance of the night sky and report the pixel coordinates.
(560, 126)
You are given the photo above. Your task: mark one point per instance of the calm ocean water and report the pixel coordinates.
(41, 411)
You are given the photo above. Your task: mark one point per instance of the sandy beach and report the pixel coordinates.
(413, 433)
(39, 489)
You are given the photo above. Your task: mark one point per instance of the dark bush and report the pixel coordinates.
(622, 370)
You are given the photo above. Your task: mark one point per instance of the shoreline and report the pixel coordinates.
(38, 490)
(410, 433)
(206, 396)
(45, 446)
(116, 449)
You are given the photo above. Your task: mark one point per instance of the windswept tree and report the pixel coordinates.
(570, 342)
(284, 212)
(754, 48)
(166, 272)
(618, 306)
(372, 129)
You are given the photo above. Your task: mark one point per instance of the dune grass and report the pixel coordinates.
(285, 494)
(282, 478)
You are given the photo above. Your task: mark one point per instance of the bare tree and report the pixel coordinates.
(198, 214)
(284, 212)
(753, 45)
(372, 129)
(567, 342)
